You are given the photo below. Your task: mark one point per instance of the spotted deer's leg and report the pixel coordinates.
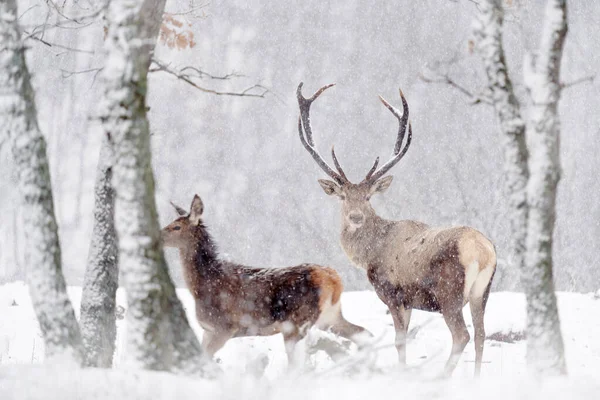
(214, 341)
(290, 339)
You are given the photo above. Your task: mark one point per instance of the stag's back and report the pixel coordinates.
(415, 250)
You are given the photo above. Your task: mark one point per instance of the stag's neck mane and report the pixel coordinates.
(364, 245)
(368, 244)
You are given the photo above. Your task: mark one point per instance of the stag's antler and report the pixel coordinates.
(399, 152)
(308, 142)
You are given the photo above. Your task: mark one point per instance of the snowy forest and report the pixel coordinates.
(177, 223)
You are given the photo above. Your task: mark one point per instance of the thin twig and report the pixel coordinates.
(589, 78)
(189, 11)
(215, 77)
(446, 80)
(67, 74)
(60, 46)
(26, 11)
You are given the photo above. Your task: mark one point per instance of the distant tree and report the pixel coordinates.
(18, 121)
(159, 336)
(532, 173)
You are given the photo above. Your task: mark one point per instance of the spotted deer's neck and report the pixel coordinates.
(200, 260)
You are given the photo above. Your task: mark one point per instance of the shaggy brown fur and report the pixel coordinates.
(233, 300)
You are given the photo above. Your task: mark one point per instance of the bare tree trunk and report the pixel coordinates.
(488, 31)
(545, 350)
(18, 120)
(532, 177)
(98, 298)
(159, 336)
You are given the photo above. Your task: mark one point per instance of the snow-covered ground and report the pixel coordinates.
(503, 371)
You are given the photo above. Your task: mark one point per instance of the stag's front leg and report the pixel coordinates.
(401, 317)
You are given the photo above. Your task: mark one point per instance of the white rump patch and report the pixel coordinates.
(330, 314)
(482, 281)
(471, 274)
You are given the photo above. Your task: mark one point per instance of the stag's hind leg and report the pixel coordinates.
(460, 337)
(477, 303)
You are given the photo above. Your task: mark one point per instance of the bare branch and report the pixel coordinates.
(201, 74)
(255, 90)
(67, 74)
(191, 10)
(26, 11)
(59, 46)
(589, 78)
(445, 79)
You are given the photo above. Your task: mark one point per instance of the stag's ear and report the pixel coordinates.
(196, 210)
(330, 187)
(381, 185)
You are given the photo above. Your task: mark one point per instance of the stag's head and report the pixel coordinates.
(183, 231)
(355, 197)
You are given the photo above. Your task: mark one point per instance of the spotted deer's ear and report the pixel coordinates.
(381, 185)
(196, 210)
(179, 210)
(330, 187)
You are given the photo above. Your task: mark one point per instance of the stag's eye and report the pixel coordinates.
(176, 228)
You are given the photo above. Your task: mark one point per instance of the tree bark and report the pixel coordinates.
(159, 336)
(98, 298)
(488, 31)
(545, 349)
(532, 169)
(18, 120)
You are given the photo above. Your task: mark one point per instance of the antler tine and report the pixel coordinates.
(402, 119)
(179, 210)
(394, 160)
(308, 142)
(315, 155)
(304, 104)
(373, 168)
(399, 152)
(337, 164)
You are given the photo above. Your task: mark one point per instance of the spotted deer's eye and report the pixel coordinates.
(176, 228)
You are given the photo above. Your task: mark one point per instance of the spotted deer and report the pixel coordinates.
(410, 264)
(233, 300)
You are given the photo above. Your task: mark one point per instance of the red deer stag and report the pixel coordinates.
(234, 300)
(410, 264)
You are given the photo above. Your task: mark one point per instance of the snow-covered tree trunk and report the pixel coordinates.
(98, 298)
(18, 121)
(545, 352)
(159, 336)
(488, 32)
(532, 169)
